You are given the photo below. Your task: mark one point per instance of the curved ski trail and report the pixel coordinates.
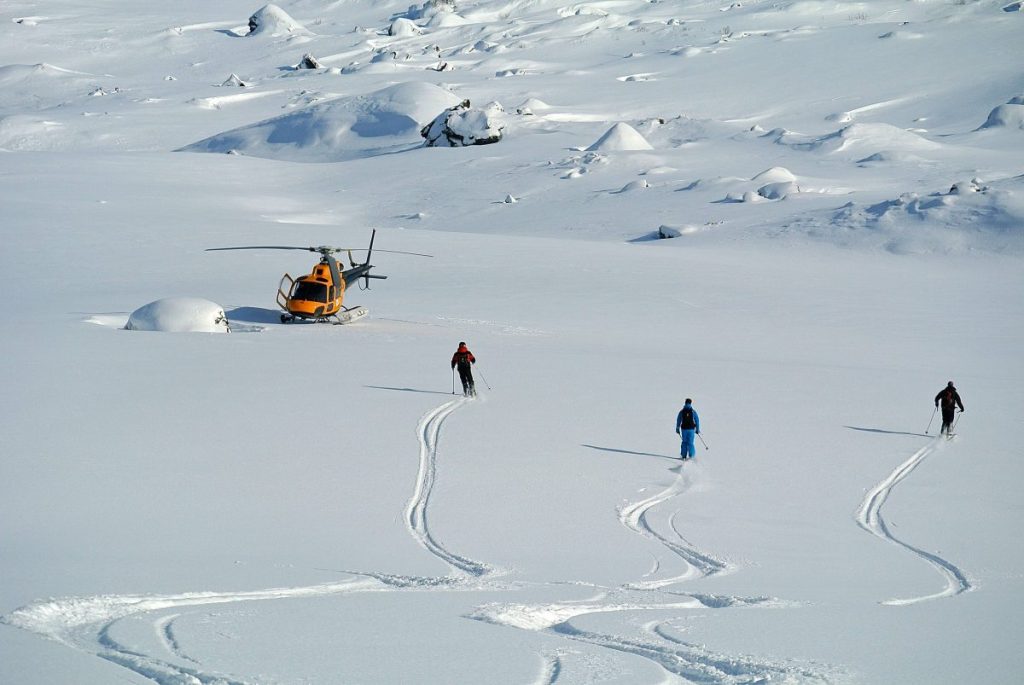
(869, 517)
(87, 623)
(429, 431)
(692, 662)
(699, 564)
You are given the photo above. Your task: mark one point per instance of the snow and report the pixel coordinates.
(466, 125)
(304, 503)
(620, 137)
(371, 124)
(179, 315)
(273, 21)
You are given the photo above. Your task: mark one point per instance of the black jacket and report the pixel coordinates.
(949, 398)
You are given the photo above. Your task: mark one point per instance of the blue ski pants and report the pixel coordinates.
(687, 449)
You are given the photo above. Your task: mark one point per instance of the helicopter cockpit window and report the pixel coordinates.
(313, 292)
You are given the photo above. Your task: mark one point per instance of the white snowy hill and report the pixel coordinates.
(843, 185)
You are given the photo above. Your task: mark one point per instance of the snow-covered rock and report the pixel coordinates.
(776, 174)
(179, 315)
(273, 21)
(234, 81)
(431, 8)
(464, 125)
(620, 137)
(403, 28)
(632, 186)
(1010, 115)
(344, 128)
(778, 190)
(309, 62)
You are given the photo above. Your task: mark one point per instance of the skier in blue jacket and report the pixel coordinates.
(687, 425)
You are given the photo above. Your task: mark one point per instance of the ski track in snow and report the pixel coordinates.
(869, 517)
(699, 564)
(429, 431)
(693, 663)
(87, 623)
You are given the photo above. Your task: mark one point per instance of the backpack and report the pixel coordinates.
(686, 420)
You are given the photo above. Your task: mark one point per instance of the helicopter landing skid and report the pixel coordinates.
(340, 319)
(349, 315)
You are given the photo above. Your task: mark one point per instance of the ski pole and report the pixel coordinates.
(953, 427)
(702, 441)
(931, 419)
(483, 379)
(453, 380)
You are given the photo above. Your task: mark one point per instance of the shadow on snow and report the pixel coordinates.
(639, 454)
(885, 432)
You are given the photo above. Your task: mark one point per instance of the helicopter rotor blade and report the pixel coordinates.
(363, 249)
(262, 247)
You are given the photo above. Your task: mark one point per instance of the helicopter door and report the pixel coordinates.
(282, 291)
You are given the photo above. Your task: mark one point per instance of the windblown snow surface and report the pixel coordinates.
(305, 503)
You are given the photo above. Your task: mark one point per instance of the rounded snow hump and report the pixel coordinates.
(179, 315)
(620, 137)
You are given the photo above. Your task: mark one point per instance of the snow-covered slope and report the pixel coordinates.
(312, 504)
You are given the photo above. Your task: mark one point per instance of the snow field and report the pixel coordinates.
(308, 503)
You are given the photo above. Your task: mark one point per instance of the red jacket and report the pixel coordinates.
(463, 357)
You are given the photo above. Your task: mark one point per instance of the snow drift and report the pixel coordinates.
(179, 315)
(339, 129)
(620, 137)
(273, 21)
(1010, 115)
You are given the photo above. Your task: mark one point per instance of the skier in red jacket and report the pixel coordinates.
(464, 360)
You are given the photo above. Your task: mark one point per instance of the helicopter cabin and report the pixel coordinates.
(310, 291)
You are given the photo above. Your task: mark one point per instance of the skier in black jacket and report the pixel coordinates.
(949, 398)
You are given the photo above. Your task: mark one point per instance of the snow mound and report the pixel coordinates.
(776, 174)
(621, 137)
(39, 86)
(234, 81)
(340, 129)
(431, 8)
(633, 186)
(273, 21)
(403, 28)
(532, 105)
(1010, 115)
(970, 217)
(666, 231)
(778, 191)
(179, 315)
(464, 125)
(861, 138)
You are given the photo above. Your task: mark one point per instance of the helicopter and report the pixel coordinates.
(318, 296)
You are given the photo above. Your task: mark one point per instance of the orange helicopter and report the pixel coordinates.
(319, 295)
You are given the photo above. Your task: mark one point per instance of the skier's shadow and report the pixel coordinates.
(618, 451)
(885, 432)
(386, 387)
